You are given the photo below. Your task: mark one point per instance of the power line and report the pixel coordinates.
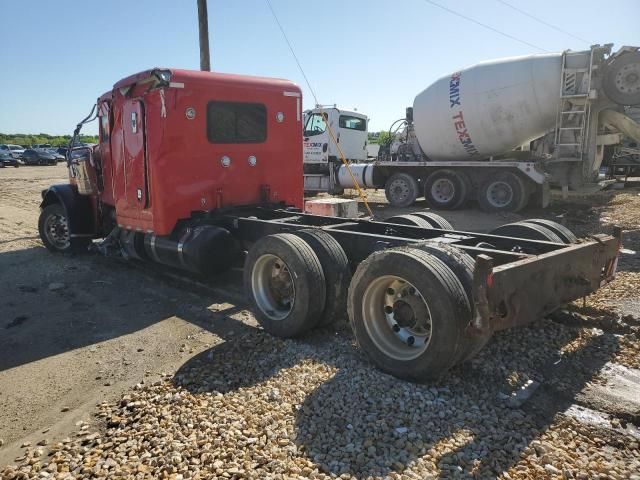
(539, 20)
(275, 17)
(488, 27)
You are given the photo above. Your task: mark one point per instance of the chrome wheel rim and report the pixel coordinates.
(499, 194)
(397, 317)
(399, 190)
(56, 229)
(443, 190)
(273, 287)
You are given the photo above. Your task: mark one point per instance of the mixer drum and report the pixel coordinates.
(489, 108)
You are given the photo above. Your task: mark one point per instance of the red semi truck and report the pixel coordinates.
(196, 170)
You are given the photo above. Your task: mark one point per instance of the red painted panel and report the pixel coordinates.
(184, 170)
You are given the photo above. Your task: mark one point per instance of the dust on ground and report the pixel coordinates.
(110, 369)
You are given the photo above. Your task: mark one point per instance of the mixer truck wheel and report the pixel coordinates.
(622, 79)
(504, 192)
(285, 284)
(446, 189)
(408, 312)
(401, 190)
(435, 220)
(335, 265)
(409, 219)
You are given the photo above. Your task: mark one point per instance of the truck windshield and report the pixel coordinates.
(316, 124)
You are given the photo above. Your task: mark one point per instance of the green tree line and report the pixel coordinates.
(27, 139)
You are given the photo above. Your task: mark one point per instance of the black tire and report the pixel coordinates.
(53, 227)
(446, 189)
(435, 220)
(335, 265)
(566, 235)
(303, 272)
(462, 265)
(448, 304)
(401, 190)
(409, 219)
(527, 231)
(504, 192)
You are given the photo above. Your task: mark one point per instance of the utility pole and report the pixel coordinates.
(203, 27)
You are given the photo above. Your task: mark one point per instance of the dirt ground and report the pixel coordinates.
(79, 331)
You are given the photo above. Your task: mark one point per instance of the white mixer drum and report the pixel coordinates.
(489, 108)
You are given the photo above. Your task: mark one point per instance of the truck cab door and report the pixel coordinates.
(135, 157)
(352, 131)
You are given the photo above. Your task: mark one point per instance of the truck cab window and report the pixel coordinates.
(316, 124)
(352, 123)
(235, 122)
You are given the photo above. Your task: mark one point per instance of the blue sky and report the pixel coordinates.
(375, 55)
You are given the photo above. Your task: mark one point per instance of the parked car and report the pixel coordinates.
(16, 151)
(8, 160)
(54, 151)
(62, 151)
(34, 156)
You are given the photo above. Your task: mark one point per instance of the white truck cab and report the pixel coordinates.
(320, 153)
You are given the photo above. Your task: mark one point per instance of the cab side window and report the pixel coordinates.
(352, 123)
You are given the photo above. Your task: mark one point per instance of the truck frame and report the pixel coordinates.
(199, 171)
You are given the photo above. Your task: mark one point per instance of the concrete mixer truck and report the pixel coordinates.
(504, 131)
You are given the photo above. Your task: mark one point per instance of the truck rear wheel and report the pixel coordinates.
(528, 231)
(53, 227)
(401, 190)
(335, 265)
(408, 312)
(285, 284)
(434, 219)
(462, 265)
(409, 219)
(504, 192)
(446, 189)
(566, 235)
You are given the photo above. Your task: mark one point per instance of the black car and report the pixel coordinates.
(8, 160)
(34, 156)
(54, 152)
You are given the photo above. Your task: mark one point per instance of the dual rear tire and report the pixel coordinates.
(296, 282)
(409, 307)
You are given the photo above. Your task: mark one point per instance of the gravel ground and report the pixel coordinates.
(242, 404)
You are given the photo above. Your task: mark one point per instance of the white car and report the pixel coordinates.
(16, 151)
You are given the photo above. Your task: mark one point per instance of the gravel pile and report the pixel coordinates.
(260, 407)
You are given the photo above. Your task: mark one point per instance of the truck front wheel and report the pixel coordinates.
(53, 226)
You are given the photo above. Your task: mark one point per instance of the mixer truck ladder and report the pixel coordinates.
(572, 120)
